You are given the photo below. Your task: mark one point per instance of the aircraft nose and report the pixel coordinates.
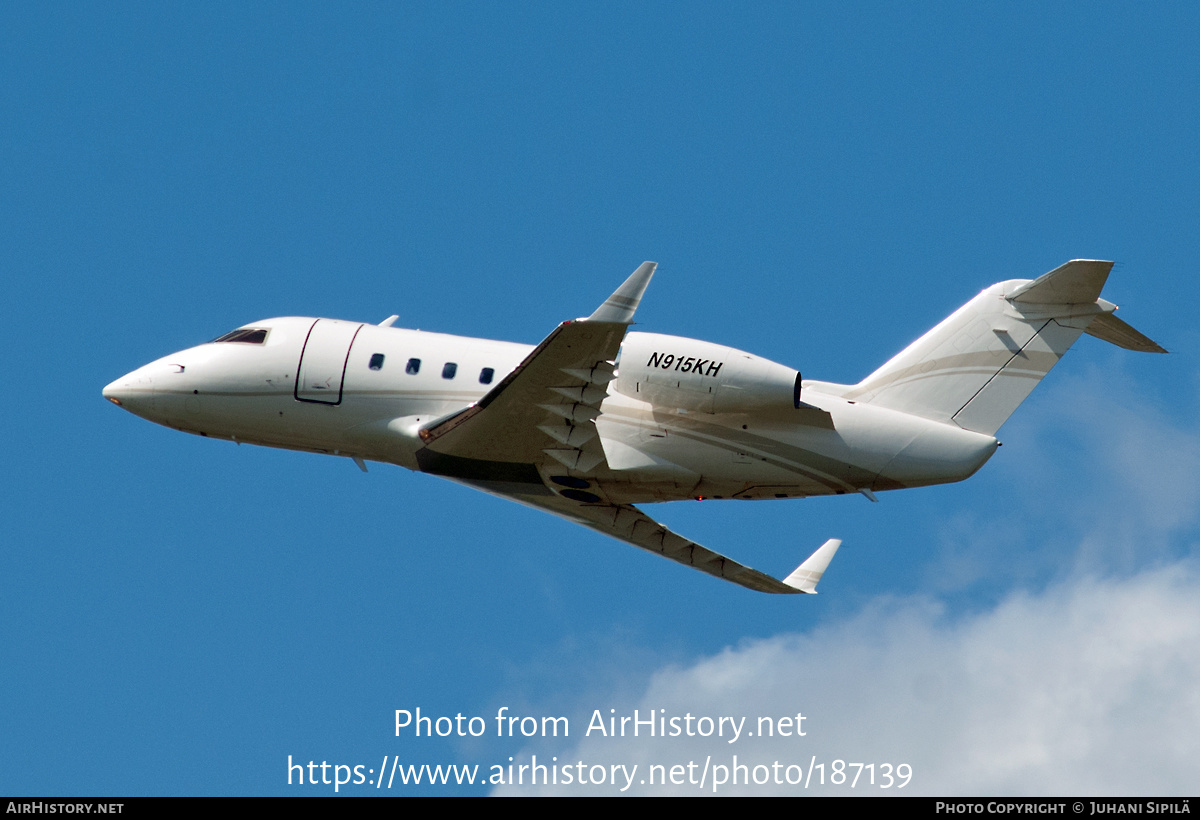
(133, 391)
(116, 392)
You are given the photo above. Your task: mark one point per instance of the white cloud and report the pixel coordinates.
(1086, 688)
(1140, 452)
(1094, 480)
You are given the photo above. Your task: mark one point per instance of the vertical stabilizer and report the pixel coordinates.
(977, 366)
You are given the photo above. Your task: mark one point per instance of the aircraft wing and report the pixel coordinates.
(629, 524)
(544, 407)
(543, 410)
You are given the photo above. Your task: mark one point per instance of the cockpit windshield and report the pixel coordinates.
(245, 335)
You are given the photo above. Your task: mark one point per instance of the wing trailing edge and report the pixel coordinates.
(629, 524)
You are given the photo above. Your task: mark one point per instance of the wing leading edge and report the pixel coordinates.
(566, 376)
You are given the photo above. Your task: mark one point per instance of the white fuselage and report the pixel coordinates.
(595, 419)
(683, 419)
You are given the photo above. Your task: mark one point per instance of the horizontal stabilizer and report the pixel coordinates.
(806, 576)
(1113, 330)
(977, 366)
(1078, 282)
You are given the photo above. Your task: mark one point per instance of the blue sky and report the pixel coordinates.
(820, 184)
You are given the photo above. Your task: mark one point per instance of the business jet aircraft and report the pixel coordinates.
(596, 419)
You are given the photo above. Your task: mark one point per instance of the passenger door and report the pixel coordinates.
(323, 360)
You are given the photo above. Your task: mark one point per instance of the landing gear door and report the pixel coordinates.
(323, 360)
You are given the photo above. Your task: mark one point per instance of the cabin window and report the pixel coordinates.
(486, 375)
(449, 369)
(376, 362)
(246, 335)
(413, 367)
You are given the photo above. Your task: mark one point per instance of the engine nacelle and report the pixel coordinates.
(688, 374)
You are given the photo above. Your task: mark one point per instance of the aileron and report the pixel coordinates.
(631, 525)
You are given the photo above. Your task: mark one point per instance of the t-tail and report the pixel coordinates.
(977, 366)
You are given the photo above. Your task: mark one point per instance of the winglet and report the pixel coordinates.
(807, 575)
(620, 306)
